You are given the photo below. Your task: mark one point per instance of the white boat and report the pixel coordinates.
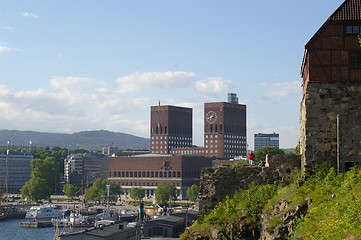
(44, 212)
(74, 220)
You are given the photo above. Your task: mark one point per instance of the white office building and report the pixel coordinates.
(15, 170)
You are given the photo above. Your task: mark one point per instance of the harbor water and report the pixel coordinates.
(11, 230)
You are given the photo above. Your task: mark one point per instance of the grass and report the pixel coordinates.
(333, 200)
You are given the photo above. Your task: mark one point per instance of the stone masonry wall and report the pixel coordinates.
(219, 182)
(322, 105)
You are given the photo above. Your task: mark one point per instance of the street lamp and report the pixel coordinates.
(108, 187)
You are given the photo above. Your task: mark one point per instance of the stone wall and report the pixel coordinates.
(219, 182)
(322, 139)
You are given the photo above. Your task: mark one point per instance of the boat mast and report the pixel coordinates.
(7, 176)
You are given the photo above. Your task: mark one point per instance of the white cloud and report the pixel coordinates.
(213, 85)
(29, 14)
(78, 103)
(284, 89)
(4, 49)
(155, 80)
(71, 84)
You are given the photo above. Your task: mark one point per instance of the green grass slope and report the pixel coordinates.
(324, 206)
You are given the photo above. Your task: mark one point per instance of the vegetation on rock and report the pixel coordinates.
(324, 206)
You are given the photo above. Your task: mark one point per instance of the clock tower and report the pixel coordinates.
(224, 129)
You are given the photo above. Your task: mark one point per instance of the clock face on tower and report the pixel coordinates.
(211, 117)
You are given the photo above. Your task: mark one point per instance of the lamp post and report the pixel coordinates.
(108, 187)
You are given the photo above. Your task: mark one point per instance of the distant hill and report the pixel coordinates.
(89, 140)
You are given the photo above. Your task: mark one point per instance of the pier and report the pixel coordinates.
(36, 224)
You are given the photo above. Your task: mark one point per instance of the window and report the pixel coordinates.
(355, 59)
(352, 29)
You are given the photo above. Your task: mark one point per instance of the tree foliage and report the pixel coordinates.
(36, 189)
(71, 190)
(137, 193)
(192, 192)
(98, 191)
(263, 151)
(297, 148)
(165, 192)
(44, 179)
(115, 191)
(47, 169)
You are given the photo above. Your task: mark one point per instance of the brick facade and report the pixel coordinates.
(149, 170)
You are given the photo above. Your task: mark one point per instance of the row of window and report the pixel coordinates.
(143, 174)
(187, 152)
(173, 142)
(143, 184)
(172, 138)
(172, 130)
(227, 128)
(227, 136)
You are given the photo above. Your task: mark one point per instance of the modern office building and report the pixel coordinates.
(170, 127)
(225, 129)
(84, 168)
(264, 139)
(15, 170)
(148, 170)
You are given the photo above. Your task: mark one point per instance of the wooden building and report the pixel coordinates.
(330, 108)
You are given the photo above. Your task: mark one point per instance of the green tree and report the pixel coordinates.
(115, 191)
(263, 151)
(71, 190)
(47, 169)
(36, 189)
(192, 192)
(165, 192)
(97, 190)
(297, 148)
(137, 193)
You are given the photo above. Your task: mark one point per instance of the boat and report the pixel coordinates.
(44, 212)
(3, 216)
(75, 219)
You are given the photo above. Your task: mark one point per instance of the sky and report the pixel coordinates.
(69, 66)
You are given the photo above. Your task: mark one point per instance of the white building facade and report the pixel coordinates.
(15, 170)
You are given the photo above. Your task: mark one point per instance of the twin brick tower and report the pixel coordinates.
(224, 129)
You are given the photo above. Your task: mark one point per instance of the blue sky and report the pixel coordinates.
(69, 66)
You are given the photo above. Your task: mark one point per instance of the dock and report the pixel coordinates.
(36, 224)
